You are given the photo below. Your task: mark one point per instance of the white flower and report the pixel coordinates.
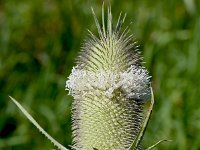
(134, 82)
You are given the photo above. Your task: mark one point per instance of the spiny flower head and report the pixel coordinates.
(109, 86)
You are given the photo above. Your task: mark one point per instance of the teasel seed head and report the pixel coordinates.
(109, 86)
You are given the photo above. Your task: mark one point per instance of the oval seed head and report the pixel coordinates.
(109, 86)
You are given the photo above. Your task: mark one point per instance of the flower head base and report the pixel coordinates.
(109, 86)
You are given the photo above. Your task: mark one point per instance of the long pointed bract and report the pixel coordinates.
(153, 146)
(138, 138)
(34, 122)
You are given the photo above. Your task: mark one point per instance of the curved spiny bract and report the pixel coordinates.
(109, 86)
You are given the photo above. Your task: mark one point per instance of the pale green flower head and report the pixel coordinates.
(109, 86)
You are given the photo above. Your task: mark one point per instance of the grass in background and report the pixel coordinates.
(38, 44)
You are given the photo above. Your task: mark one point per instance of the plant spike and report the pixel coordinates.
(110, 87)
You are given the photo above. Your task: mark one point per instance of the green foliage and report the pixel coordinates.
(38, 44)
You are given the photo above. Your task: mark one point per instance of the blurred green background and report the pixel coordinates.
(39, 40)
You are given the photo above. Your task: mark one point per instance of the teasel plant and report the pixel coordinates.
(110, 87)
